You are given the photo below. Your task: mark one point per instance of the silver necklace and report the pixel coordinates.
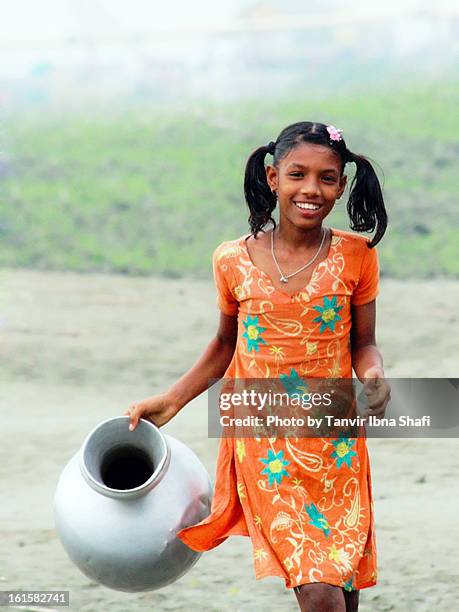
(284, 277)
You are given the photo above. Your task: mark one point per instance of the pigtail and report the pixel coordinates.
(259, 197)
(366, 203)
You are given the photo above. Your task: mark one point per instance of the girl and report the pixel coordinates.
(296, 299)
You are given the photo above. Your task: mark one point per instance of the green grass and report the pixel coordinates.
(140, 192)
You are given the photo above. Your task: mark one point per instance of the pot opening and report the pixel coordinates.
(126, 467)
(120, 463)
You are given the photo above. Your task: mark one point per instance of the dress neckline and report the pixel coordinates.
(243, 241)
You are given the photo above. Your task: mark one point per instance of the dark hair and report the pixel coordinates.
(365, 205)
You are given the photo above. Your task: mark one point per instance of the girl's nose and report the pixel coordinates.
(310, 188)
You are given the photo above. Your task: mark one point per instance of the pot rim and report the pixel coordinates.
(145, 487)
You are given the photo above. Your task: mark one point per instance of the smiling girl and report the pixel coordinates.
(296, 299)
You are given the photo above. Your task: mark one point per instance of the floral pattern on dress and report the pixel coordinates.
(343, 452)
(318, 519)
(275, 469)
(328, 314)
(349, 585)
(253, 333)
(293, 384)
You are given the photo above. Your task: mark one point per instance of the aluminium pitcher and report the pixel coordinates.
(121, 500)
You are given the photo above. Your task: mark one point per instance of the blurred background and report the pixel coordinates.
(126, 125)
(124, 133)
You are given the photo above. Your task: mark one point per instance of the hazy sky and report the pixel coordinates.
(47, 21)
(27, 22)
(35, 31)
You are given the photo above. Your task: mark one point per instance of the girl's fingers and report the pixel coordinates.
(372, 386)
(379, 393)
(374, 381)
(375, 372)
(134, 414)
(376, 401)
(378, 409)
(146, 411)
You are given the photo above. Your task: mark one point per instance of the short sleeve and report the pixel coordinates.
(368, 284)
(222, 277)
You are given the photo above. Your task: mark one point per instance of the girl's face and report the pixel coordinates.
(308, 181)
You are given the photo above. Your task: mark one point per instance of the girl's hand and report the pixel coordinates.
(158, 409)
(377, 391)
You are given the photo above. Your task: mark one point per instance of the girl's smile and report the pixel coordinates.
(307, 210)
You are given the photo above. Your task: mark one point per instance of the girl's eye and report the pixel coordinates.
(328, 179)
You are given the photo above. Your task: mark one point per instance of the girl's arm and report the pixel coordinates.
(213, 363)
(367, 361)
(365, 353)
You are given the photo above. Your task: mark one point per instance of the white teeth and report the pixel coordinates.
(307, 206)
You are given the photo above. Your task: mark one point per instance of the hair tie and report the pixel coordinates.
(271, 147)
(348, 156)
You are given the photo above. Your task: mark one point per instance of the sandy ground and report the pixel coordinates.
(76, 350)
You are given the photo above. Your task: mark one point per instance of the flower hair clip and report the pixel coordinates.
(335, 133)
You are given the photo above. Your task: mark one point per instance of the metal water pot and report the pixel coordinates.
(121, 500)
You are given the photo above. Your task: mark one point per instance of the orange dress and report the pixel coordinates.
(306, 503)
